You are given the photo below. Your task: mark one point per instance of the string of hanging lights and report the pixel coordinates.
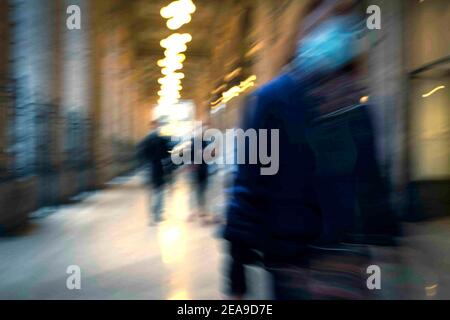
(177, 13)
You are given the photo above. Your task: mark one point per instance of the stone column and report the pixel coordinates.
(98, 44)
(387, 89)
(6, 89)
(75, 101)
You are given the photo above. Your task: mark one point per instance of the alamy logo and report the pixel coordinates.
(374, 280)
(73, 281)
(212, 146)
(73, 21)
(374, 20)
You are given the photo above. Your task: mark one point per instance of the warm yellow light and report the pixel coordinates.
(364, 99)
(231, 93)
(222, 87)
(170, 239)
(177, 22)
(176, 43)
(169, 81)
(217, 101)
(174, 60)
(175, 49)
(171, 87)
(181, 57)
(236, 90)
(167, 97)
(179, 295)
(171, 69)
(187, 37)
(161, 63)
(233, 74)
(426, 95)
(172, 53)
(166, 13)
(167, 101)
(177, 13)
(431, 290)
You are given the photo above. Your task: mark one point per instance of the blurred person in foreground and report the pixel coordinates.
(200, 176)
(154, 152)
(310, 224)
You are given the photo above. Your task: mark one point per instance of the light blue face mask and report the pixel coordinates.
(329, 47)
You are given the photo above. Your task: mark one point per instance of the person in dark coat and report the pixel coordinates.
(315, 201)
(200, 177)
(199, 168)
(153, 151)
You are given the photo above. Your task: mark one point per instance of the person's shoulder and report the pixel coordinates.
(151, 133)
(147, 137)
(266, 100)
(276, 88)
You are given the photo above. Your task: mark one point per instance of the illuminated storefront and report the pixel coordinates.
(427, 50)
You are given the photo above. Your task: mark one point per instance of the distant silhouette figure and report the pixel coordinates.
(153, 151)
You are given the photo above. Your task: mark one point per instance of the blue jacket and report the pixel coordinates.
(308, 201)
